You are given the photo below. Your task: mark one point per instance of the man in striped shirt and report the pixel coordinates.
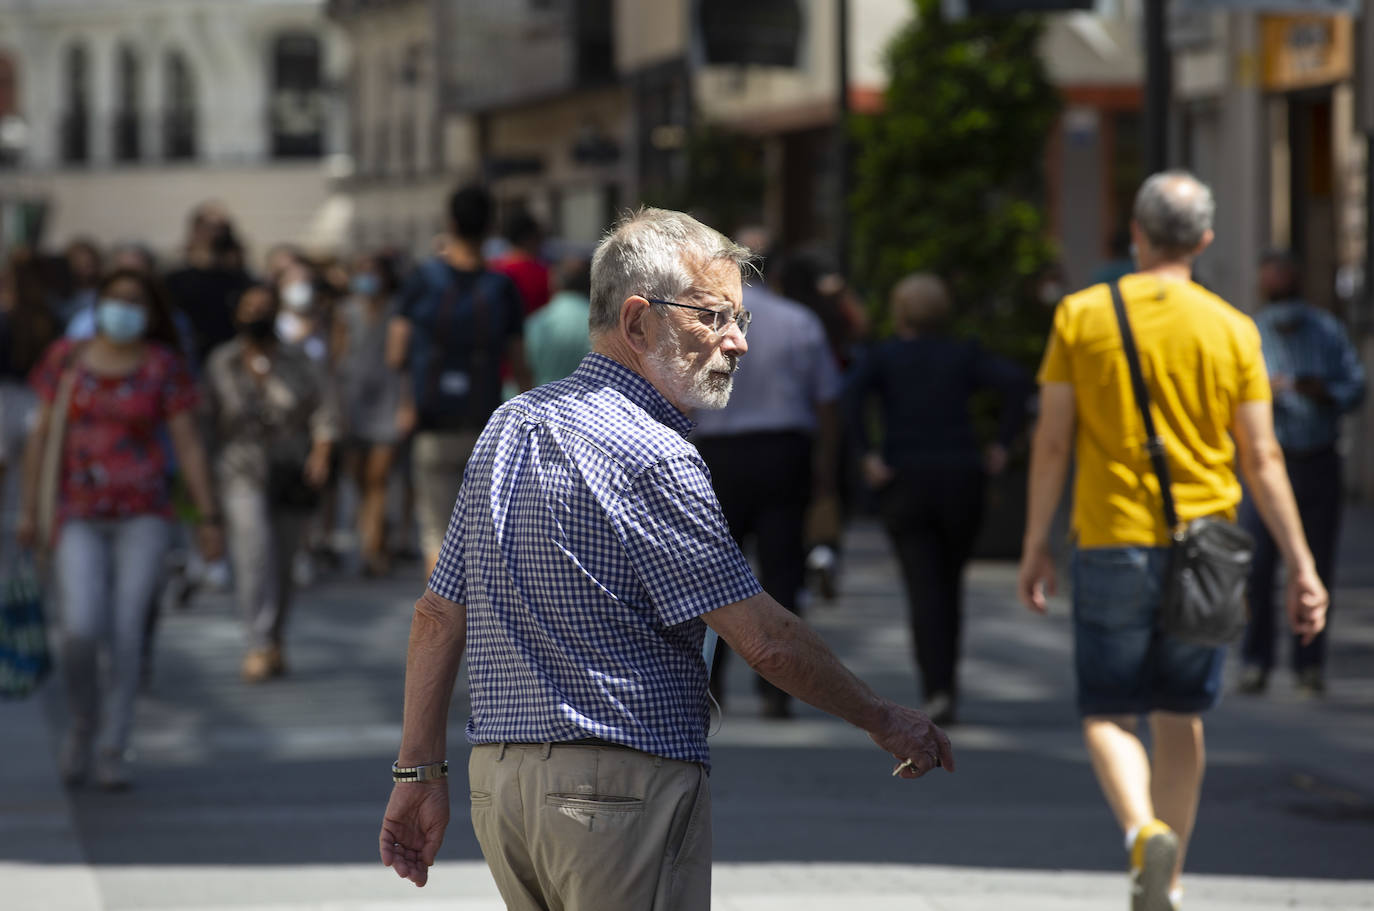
(1317, 377)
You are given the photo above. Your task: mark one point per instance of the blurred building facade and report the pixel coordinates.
(117, 117)
(575, 108)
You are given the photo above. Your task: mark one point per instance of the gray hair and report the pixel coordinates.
(1174, 211)
(654, 253)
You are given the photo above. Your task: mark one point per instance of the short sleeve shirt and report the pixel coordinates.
(114, 464)
(586, 543)
(1201, 359)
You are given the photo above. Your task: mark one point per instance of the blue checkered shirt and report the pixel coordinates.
(586, 543)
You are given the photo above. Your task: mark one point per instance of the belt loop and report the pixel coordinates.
(658, 762)
(501, 753)
(548, 750)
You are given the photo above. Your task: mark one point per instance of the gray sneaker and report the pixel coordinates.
(1152, 867)
(112, 770)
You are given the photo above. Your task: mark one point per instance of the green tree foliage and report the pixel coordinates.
(949, 176)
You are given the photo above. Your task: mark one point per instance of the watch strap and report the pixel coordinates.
(429, 771)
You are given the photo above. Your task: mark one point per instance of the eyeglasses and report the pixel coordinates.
(719, 321)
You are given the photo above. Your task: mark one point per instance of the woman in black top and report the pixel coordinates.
(930, 470)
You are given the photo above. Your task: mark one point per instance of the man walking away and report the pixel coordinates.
(1317, 377)
(1205, 375)
(455, 323)
(782, 414)
(584, 554)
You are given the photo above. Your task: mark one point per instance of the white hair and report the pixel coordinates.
(1174, 211)
(654, 253)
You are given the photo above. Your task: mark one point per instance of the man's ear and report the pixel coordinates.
(634, 323)
(1206, 242)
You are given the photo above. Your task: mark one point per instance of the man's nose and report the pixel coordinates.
(732, 342)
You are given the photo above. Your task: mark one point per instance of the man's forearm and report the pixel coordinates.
(1267, 478)
(791, 656)
(1049, 465)
(438, 635)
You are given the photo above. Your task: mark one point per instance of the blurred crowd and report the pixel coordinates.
(231, 423)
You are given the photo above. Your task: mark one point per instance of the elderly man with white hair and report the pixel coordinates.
(1210, 401)
(585, 558)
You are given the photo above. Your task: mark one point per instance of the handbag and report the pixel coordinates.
(1204, 598)
(287, 488)
(24, 658)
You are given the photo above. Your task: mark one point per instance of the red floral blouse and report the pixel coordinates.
(114, 462)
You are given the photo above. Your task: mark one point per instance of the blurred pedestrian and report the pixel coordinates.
(807, 279)
(370, 393)
(556, 335)
(303, 320)
(783, 413)
(522, 262)
(456, 323)
(83, 270)
(1205, 376)
(276, 422)
(96, 438)
(207, 286)
(586, 549)
(930, 472)
(1316, 375)
(27, 327)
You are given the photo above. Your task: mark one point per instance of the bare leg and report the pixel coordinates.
(1122, 767)
(1180, 758)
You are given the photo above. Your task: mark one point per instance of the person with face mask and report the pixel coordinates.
(370, 391)
(103, 403)
(276, 422)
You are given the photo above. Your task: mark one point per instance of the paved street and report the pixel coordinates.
(269, 797)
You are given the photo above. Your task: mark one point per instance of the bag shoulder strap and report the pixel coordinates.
(1154, 445)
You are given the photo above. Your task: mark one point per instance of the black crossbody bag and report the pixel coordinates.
(1204, 598)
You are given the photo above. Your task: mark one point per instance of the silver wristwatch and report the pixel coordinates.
(430, 771)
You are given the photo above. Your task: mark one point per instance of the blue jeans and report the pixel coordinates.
(106, 571)
(1125, 665)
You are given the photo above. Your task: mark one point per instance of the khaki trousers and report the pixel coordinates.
(437, 460)
(573, 827)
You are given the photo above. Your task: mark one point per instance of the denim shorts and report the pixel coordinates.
(1125, 665)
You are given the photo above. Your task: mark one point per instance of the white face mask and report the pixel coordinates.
(298, 296)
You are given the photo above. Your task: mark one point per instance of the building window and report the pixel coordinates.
(179, 120)
(126, 123)
(297, 106)
(76, 146)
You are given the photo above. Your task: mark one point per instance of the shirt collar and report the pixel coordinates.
(599, 370)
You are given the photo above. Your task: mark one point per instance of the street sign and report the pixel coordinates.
(1291, 7)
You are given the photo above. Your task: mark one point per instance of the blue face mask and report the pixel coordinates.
(120, 321)
(366, 284)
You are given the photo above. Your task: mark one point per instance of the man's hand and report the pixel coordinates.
(1312, 387)
(995, 458)
(413, 828)
(877, 473)
(316, 470)
(910, 735)
(1035, 580)
(1306, 601)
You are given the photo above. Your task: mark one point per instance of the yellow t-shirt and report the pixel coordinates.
(1201, 359)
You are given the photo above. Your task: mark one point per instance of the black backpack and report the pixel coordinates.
(456, 358)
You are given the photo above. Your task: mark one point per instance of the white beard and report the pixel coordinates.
(708, 387)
